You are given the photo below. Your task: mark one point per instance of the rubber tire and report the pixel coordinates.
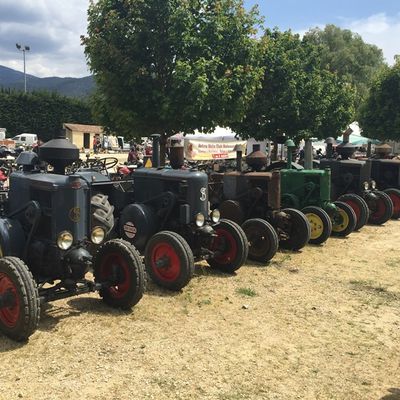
(351, 215)
(326, 221)
(135, 269)
(102, 212)
(269, 237)
(394, 195)
(388, 209)
(17, 271)
(182, 251)
(360, 207)
(242, 245)
(301, 231)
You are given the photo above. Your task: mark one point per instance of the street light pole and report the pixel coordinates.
(23, 48)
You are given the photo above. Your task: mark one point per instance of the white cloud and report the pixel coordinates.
(51, 28)
(381, 30)
(378, 29)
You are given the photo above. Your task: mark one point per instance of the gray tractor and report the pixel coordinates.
(49, 223)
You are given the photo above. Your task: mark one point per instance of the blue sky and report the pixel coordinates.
(52, 28)
(301, 14)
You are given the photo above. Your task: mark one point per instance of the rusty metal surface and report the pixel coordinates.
(256, 160)
(259, 175)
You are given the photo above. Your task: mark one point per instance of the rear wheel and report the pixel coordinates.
(262, 238)
(297, 230)
(102, 212)
(19, 300)
(359, 207)
(169, 260)
(381, 209)
(119, 268)
(231, 246)
(394, 195)
(344, 220)
(320, 224)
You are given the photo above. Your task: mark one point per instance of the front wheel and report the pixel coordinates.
(359, 206)
(119, 268)
(19, 300)
(296, 229)
(262, 238)
(169, 260)
(394, 195)
(230, 245)
(381, 209)
(344, 220)
(320, 223)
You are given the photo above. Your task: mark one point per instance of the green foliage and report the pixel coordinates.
(379, 116)
(345, 53)
(298, 97)
(40, 112)
(173, 65)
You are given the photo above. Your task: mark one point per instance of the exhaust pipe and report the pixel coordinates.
(239, 156)
(155, 159)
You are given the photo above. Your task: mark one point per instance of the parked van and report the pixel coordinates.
(25, 139)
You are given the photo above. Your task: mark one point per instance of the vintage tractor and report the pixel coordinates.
(351, 179)
(309, 191)
(386, 173)
(48, 223)
(165, 213)
(252, 198)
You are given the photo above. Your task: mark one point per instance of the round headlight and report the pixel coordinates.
(366, 185)
(200, 220)
(65, 240)
(373, 185)
(97, 235)
(215, 216)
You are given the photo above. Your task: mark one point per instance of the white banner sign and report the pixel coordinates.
(201, 150)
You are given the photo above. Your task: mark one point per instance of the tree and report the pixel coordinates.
(345, 53)
(173, 65)
(298, 97)
(40, 112)
(379, 116)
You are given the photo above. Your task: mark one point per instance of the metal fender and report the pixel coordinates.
(12, 238)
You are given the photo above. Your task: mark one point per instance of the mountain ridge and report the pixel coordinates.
(70, 87)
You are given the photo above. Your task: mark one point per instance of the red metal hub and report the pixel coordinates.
(9, 315)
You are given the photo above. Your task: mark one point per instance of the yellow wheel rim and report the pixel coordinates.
(345, 222)
(316, 225)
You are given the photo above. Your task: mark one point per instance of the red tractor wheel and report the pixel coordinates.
(381, 209)
(231, 247)
(344, 220)
(394, 195)
(169, 260)
(359, 207)
(262, 238)
(320, 224)
(119, 268)
(19, 300)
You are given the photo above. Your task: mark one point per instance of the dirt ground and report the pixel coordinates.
(320, 324)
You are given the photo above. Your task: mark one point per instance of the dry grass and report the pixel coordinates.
(321, 324)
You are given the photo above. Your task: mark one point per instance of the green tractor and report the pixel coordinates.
(309, 190)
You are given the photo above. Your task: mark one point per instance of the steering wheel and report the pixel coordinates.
(106, 163)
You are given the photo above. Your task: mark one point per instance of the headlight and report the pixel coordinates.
(65, 240)
(215, 216)
(200, 220)
(373, 185)
(97, 235)
(366, 185)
